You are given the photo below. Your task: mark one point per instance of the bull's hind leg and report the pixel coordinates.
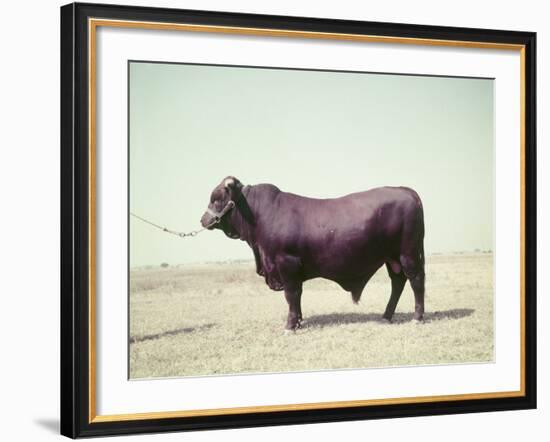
(413, 268)
(417, 284)
(398, 280)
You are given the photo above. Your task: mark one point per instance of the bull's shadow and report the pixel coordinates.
(178, 331)
(332, 319)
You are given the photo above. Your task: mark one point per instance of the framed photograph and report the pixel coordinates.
(273, 220)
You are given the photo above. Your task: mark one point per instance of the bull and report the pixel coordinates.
(346, 240)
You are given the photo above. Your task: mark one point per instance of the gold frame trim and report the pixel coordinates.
(93, 24)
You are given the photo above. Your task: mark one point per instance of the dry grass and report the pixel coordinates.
(222, 318)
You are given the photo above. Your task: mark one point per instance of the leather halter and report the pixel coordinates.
(219, 215)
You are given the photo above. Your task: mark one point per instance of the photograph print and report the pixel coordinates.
(289, 220)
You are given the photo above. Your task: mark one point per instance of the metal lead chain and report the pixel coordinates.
(192, 233)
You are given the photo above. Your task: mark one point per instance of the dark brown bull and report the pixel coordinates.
(345, 239)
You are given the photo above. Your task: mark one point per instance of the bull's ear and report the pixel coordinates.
(233, 185)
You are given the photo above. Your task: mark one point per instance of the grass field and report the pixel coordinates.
(195, 320)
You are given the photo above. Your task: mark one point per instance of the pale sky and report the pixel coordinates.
(318, 134)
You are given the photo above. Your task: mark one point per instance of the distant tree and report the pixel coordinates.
(164, 265)
(477, 250)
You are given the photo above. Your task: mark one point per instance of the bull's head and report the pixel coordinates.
(222, 203)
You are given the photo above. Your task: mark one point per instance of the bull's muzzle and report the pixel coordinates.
(207, 221)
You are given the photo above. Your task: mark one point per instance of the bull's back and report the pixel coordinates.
(348, 233)
(381, 210)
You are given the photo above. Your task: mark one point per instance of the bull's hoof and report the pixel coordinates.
(387, 320)
(291, 328)
(418, 321)
(288, 332)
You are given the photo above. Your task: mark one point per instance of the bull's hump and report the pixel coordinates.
(266, 187)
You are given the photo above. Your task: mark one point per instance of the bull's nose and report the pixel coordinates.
(205, 220)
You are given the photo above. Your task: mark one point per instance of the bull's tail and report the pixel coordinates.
(422, 258)
(421, 239)
(416, 232)
(420, 227)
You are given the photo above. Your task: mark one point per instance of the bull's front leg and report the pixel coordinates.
(289, 268)
(293, 296)
(270, 272)
(259, 267)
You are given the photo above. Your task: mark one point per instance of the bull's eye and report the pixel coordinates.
(217, 198)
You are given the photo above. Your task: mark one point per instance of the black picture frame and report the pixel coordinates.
(75, 220)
